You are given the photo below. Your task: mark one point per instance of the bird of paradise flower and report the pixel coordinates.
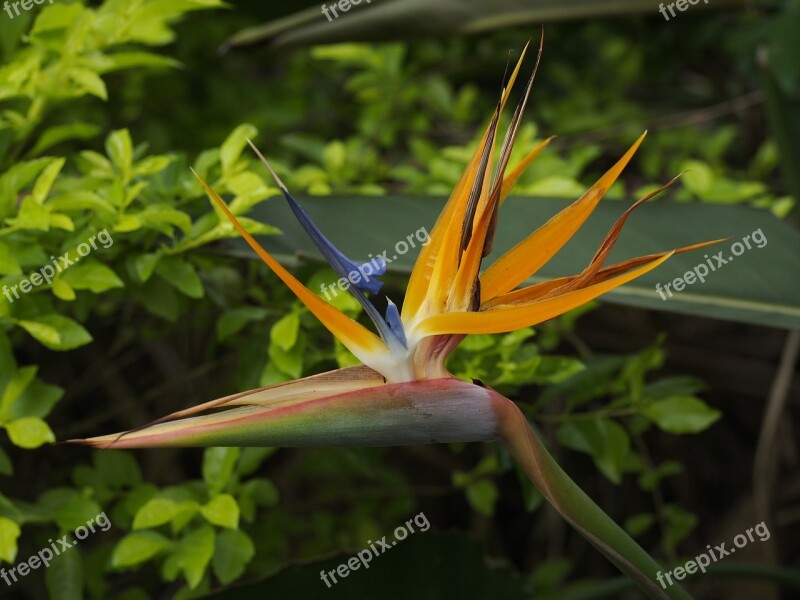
(403, 393)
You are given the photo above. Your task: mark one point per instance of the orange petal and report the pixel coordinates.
(450, 218)
(510, 317)
(548, 288)
(527, 257)
(357, 338)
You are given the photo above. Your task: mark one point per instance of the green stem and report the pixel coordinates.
(580, 510)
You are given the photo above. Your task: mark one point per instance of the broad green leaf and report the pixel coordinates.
(443, 18)
(56, 332)
(179, 273)
(93, 276)
(284, 333)
(136, 548)
(221, 510)
(218, 466)
(154, 513)
(681, 414)
(9, 533)
(658, 226)
(603, 439)
(233, 551)
(29, 432)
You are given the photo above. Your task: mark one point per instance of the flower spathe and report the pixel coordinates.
(403, 393)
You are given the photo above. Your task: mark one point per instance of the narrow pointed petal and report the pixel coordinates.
(453, 212)
(547, 288)
(338, 261)
(357, 338)
(421, 412)
(480, 222)
(342, 266)
(578, 508)
(509, 317)
(527, 257)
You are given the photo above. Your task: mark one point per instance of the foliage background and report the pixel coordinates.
(104, 106)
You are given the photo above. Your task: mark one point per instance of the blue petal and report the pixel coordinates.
(362, 276)
(395, 324)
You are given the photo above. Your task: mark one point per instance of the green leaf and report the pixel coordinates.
(145, 264)
(232, 321)
(62, 290)
(284, 333)
(88, 82)
(252, 458)
(18, 383)
(254, 493)
(193, 554)
(136, 548)
(32, 215)
(681, 414)
(639, 524)
(698, 177)
(64, 577)
(44, 183)
(222, 510)
(774, 302)
(6, 466)
(76, 512)
(61, 133)
(482, 496)
(603, 439)
(218, 466)
(119, 149)
(154, 513)
(179, 273)
(80, 200)
(234, 549)
(231, 148)
(116, 468)
(36, 401)
(164, 217)
(8, 263)
(9, 533)
(29, 432)
(56, 332)
(93, 276)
